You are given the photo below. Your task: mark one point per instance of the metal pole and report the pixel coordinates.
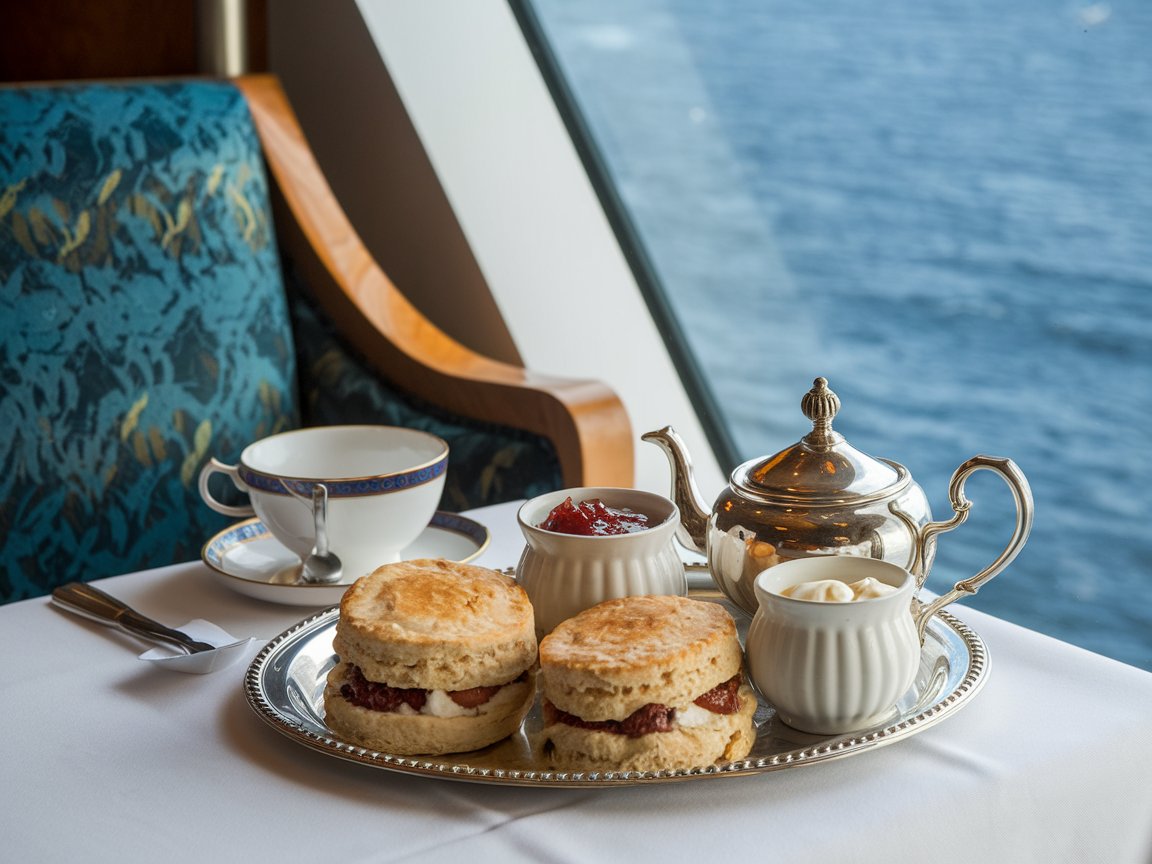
(222, 37)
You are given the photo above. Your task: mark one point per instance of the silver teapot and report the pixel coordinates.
(822, 496)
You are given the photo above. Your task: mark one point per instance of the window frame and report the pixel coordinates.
(631, 242)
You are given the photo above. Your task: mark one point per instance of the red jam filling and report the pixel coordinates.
(723, 698)
(653, 717)
(645, 720)
(380, 697)
(592, 518)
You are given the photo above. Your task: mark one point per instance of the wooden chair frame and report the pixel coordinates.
(585, 421)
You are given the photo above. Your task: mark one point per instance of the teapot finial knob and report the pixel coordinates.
(820, 405)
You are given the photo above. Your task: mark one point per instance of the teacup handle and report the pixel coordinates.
(1021, 492)
(215, 466)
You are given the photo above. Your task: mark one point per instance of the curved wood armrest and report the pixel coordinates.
(585, 420)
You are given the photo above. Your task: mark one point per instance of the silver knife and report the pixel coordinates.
(92, 603)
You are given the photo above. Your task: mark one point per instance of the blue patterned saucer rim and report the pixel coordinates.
(275, 577)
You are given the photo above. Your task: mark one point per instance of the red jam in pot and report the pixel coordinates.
(592, 518)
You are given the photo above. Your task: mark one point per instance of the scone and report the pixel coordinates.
(434, 657)
(644, 684)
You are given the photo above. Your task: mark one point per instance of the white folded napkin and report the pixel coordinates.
(229, 650)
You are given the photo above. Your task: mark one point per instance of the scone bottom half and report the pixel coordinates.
(434, 657)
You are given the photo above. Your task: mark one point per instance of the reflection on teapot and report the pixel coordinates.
(822, 496)
(737, 551)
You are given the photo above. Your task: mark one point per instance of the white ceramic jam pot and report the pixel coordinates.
(564, 574)
(833, 667)
(822, 496)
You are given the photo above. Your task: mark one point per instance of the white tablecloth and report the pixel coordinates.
(106, 758)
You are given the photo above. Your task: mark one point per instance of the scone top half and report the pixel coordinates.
(436, 625)
(621, 655)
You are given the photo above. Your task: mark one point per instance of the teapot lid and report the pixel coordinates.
(822, 468)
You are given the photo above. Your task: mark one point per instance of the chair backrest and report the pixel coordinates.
(143, 322)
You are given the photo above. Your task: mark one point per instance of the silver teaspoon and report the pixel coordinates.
(321, 566)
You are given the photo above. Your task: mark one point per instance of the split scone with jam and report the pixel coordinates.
(645, 684)
(434, 657)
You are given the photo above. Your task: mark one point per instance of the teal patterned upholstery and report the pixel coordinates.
(144, 326)
(143, 320)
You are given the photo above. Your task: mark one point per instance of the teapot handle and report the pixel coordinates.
(1021, 492)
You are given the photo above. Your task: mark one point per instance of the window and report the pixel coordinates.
(945, 209)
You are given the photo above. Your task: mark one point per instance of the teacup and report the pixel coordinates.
(839, 666)
(564, 574)
(383, 482)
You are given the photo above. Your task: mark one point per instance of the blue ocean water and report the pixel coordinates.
(945, 209)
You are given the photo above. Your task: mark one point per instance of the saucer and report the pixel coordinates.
(248, 559)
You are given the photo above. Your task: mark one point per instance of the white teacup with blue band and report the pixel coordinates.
(384, 484)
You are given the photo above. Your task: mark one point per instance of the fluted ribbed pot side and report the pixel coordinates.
(563, 574)
(831, 667)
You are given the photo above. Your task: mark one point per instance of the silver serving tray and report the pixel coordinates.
(285, 686)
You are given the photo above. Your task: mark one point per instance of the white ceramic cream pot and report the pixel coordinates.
(829, 667)
(384, 483)
(564, 574)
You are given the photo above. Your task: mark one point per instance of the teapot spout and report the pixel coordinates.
(694, 510)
